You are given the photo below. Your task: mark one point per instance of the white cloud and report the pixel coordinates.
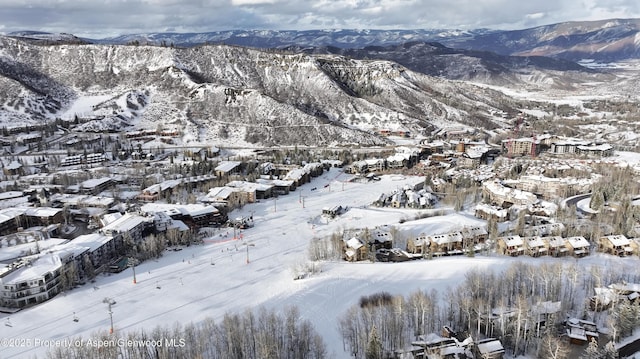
(535, 16)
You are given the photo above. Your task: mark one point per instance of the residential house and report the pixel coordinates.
(543, 230)
(17, 199)
(446, 244)
(546, 186)
(381, 238)
(629, 290)
(375, 164)
(489, 212)
(355, 250)
(92, 158)
(399, 199)
(418, 245)
(435, 346)
(474, 235)
(535, 246)
(578, 246)
(420, 199)
(557, 246)
(397, 160)
(603, 299)
(617, 244)
(581, 331)
(490, 349)
(543, 312)
(198, 215)
(357, 167)
(438, 185)
(511, 245)
(14, 168)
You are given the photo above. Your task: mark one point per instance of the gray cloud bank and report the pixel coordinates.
(104, 18)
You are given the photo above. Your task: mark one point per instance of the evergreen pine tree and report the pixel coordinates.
(597, 200)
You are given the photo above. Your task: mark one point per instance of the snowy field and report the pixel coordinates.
(211, 279)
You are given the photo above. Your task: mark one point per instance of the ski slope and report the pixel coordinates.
(214, 278)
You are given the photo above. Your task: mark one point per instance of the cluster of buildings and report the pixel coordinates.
(47, 270)
(37, 268)
(536, 246)
(447, 345)
(464, 153)
(553, 144)
(359, 245)
(402, 158)
(540, 240)
(88, 159)
(451, 243)
(410, 196)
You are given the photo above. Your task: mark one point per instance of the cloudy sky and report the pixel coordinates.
(103, 18)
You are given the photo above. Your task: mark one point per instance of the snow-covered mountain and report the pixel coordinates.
(435, 59)
(343, 38)
(47, 38)
(231, 94)
(603, 40)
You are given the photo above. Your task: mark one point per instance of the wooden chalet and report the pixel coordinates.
(418, 245)
(578, 246)
(355, 250)
(557, 246)
(536, 246)
(446, 244)
(581, 332)
(617, 244)
(474, 235)
(511, 245)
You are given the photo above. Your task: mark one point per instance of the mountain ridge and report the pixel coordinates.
(601, 40)
(219, 93)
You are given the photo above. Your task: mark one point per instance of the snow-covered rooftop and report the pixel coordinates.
(38, 267)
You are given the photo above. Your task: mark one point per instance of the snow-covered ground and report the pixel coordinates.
(211, 279)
